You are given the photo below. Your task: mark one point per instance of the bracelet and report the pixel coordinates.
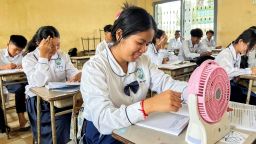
(142, 109)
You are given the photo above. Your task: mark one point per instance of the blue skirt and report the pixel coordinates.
(239, 93)
(92, 135)
(62, 122)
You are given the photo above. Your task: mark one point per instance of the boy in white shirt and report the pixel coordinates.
(176, 42)
(11, 58)
(193, 49)
(107, 41)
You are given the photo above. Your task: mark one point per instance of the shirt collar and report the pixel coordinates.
(191, 45)
(132, 66)
(233, 52)
(7, 55)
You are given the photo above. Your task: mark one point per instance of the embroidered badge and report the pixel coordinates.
(140, 74)
(58, 61)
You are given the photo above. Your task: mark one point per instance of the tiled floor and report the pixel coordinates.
(16, 136)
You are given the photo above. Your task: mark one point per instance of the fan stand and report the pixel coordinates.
(201, 132)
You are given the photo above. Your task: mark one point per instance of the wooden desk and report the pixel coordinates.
(9, 77)
(79, 61)
(140, 135)
(216, 51)
(49, 96)
(179, 71)
(251, 78)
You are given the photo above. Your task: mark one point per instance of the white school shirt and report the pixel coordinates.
(188, 51)
(174, 44)
(230, 61)
(40, 71)
(209, 44)
(252, 58)
(102, 88)
(5, 58)
(155, 56)
(102, 45)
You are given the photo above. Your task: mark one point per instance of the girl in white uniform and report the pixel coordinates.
(230, 59)
(155, 50)
(46, 64)
(115, 83)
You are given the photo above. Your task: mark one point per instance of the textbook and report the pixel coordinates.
(243, 116)
(63, 86)
(171, 123)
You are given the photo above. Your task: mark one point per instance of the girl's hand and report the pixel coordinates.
(164, 102)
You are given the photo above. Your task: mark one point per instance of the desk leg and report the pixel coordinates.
(77, 64)
(38, 120)
(249, 92)
(53, 122)
(3, 106)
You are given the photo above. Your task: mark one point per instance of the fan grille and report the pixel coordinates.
(211, 84)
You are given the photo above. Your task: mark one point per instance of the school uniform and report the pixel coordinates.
(189, 51)
(210, 44)
(112, 98)
(39, 72)
(252, 58)
(230, 61)
(174, 44)
(102, 45)
(155, 56)
(18, 89)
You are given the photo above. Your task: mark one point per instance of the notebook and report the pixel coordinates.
(171, 123)
(63, 86)
(243, 116)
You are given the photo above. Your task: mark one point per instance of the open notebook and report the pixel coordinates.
(243, 116)
(63, 86)
(171, 123)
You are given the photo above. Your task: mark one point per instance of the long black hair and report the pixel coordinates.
(42, 33)
(132, 20)
(158, 35)
(247, 36)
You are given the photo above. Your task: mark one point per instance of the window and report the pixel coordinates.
(185, 15)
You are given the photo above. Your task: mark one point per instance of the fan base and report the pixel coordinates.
(201, 132)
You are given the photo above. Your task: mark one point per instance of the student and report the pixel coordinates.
(252, 54)
(209, 42)
(11, 58)
(45, 63)
(193, 48)
(176, 42)
(107, 41)
(116, 97)
(156, 51)
(230, 59)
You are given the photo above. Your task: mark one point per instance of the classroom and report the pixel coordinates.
(128, 72)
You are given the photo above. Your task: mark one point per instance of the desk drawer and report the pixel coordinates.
(64, 103)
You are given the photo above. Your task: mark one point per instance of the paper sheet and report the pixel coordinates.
(234, 137)
(243, 116)
(10, 71)
(166, 122)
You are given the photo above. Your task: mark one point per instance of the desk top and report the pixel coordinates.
(176, 66)
(81, 57)
(49, 95)
(11, 72)
(248, 76)
(141, 135)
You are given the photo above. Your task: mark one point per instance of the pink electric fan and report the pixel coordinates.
(209, 92)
